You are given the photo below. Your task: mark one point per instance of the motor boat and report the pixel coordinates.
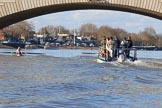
(103, 56)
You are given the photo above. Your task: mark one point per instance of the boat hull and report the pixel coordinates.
(101, 61)
(18, 55)
(121, 59)
(115, 60)
(104, 57)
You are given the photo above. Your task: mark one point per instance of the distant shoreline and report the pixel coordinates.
(76, 47)
(63, 47)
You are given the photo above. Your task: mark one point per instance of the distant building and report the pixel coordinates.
(80, 38)
(40, 39)
(39, 36)
(63, 37)
(2, 36)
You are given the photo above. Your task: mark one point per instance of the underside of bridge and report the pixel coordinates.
(30, 13)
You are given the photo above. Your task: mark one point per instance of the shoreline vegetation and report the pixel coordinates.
(146, 48)
(25, 32)
(62, 47)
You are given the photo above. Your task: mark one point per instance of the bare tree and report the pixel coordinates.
(104, 31)
(21, 29)
(120, 33)
(159, 41)
(53, 30)
(43, 31)
(88, 30)
(148, 36)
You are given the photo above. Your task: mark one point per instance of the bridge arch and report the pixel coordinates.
(11, 14)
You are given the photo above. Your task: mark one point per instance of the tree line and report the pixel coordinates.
(147, 37)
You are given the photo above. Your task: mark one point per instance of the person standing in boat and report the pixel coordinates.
(129, 45)
(124, 46)
(107, 48)
(116, 46)
(111, 46)
(103, 42)
(18, 51)
(103, 48)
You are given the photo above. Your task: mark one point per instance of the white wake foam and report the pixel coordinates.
(149, 64)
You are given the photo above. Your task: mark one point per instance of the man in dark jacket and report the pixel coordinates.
(116, 46)
(129, 45)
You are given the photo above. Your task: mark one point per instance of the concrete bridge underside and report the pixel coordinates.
(12, 11)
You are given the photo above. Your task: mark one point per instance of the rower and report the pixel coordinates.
(18, 51)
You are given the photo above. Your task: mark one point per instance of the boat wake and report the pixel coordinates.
(148, 64)
(116, 63)
(139, 63)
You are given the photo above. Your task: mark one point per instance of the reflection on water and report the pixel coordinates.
(78, 82)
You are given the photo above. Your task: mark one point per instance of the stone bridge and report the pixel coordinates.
(12, 11)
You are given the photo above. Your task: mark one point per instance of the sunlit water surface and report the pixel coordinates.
(73, 79)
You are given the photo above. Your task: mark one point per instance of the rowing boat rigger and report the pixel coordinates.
(105, 56)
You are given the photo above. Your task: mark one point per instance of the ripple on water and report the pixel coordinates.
(78, 82)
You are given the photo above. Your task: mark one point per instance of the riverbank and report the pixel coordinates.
(62, 47)
(79, 47)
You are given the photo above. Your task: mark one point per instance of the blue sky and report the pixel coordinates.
(74, 19)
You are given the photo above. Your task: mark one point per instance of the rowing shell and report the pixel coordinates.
(18, 55)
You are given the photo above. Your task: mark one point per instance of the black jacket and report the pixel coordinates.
(129, 44)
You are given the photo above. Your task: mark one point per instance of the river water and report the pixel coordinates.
(73, 79)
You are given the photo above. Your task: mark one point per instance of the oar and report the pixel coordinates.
(7, 52)
(22, 53)
(31, 53)
(88, 53)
